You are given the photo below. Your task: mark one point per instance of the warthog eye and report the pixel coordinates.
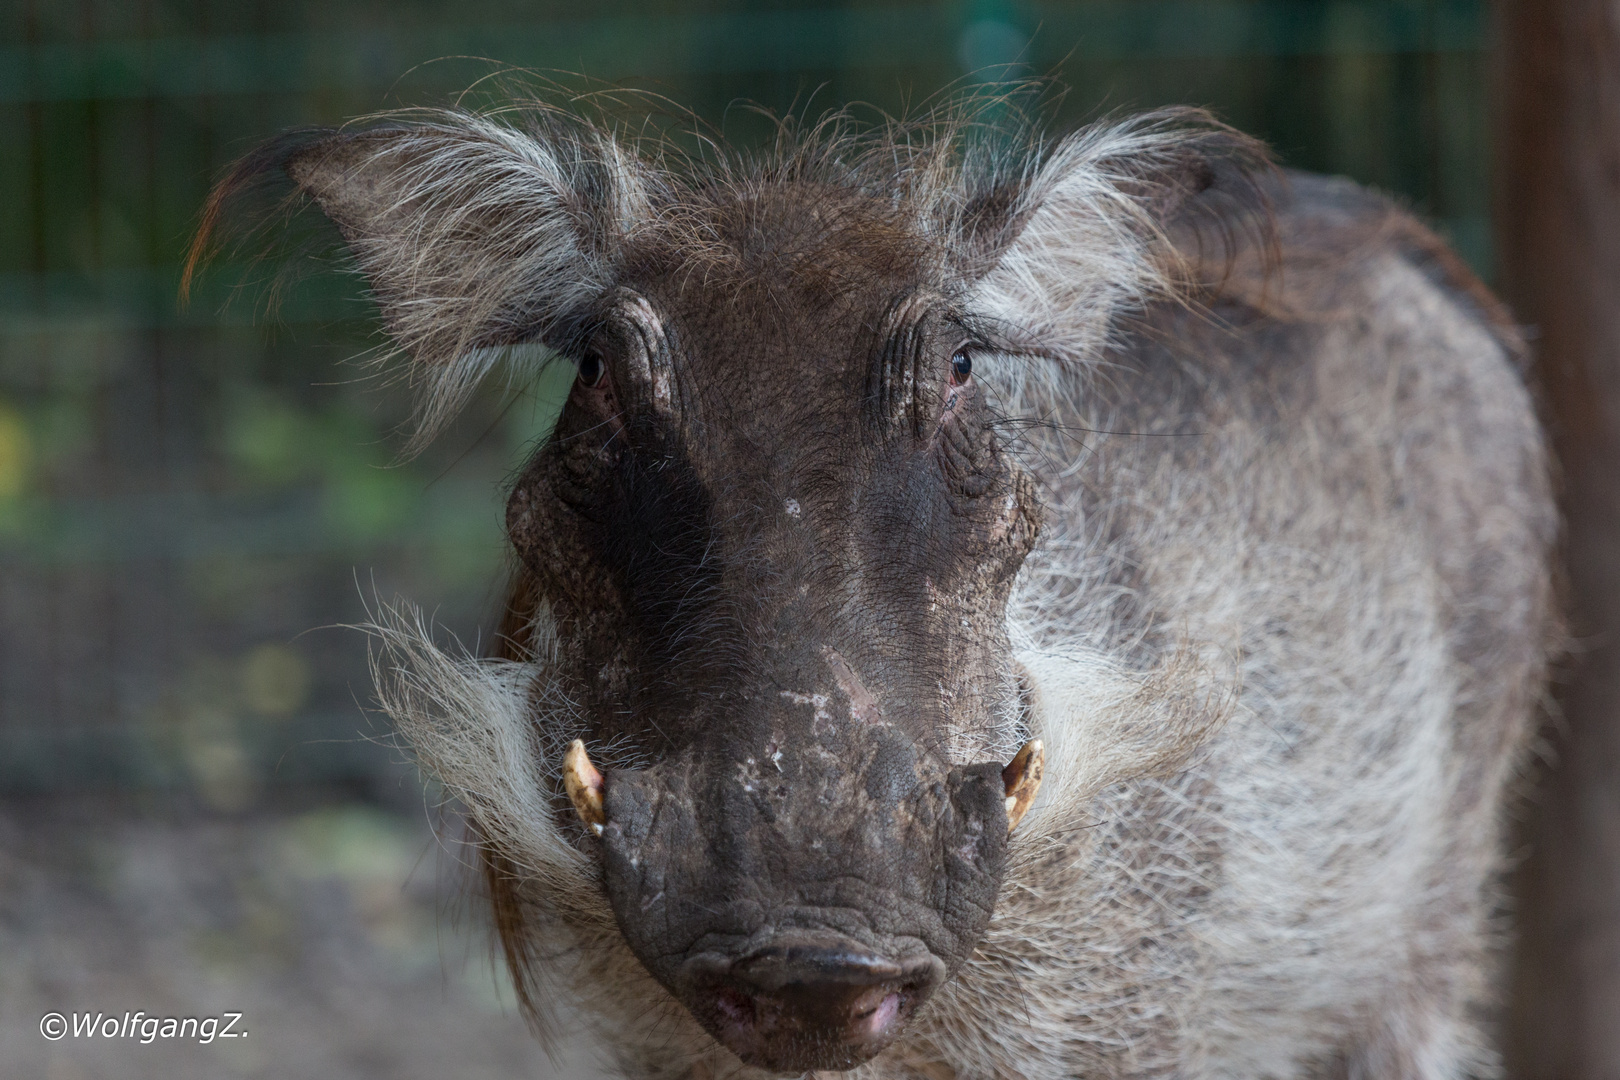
(592, 371)
(961, 367)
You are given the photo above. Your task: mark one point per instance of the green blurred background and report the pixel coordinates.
(194, 500)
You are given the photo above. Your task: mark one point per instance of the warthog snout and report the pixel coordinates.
(822, 999)
(801, 908)
(804, 930)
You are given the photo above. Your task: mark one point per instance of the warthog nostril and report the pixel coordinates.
(734, 1006)
(876, 1011)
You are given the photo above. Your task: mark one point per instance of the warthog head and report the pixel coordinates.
(767, 552)
(776, 530)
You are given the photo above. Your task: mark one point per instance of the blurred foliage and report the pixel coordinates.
(16, 453)
(188, 493)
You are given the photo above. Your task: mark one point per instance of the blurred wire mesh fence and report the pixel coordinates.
(188, 492)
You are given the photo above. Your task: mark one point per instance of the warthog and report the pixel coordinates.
(904, 467)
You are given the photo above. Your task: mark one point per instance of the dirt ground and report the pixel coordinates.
(338, 931)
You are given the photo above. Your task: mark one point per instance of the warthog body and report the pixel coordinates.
(884, 459)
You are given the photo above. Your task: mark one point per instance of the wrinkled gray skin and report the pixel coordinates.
(1283, 630)
(784, 579)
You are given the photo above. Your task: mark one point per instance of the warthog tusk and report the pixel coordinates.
(584, 785)
(1023, 779)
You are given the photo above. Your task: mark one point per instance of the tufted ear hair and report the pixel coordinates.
(1105, 219)
(472, 234)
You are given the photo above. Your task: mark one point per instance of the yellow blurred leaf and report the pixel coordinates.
(275, 680)
(16, 452)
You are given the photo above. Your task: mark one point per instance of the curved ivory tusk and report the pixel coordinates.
(1022, 778)
(584, 786)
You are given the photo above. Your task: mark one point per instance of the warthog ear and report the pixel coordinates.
(1097, 223)
(473, 235)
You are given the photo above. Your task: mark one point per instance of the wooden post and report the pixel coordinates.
(1558, 230)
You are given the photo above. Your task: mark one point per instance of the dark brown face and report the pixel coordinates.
(777, 532)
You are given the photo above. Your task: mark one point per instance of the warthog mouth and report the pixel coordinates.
(807, 1002)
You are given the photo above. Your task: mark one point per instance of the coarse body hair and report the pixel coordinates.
(1283, 635)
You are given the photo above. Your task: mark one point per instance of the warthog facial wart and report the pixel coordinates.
(989, 607)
